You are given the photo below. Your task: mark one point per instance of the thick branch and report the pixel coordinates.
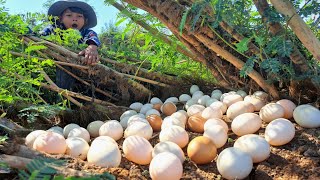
(176, 14)
(276, 29)
(303, 32)
(154, 31)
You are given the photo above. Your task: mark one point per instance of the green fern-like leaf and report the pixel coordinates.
(248, 67)
(41, 168)
(183, 21)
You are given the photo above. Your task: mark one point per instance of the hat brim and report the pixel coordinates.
(57, 8)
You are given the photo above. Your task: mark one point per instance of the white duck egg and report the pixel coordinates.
(175, 134)
(256, 146)
(279, 132)
(112, 129)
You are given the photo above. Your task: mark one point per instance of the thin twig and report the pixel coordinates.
(46, 77)
(86, 83)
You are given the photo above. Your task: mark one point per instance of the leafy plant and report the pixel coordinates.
(45, 168)
(3, 139)
(34, 112)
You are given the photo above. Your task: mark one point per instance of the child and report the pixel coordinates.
(76, 15)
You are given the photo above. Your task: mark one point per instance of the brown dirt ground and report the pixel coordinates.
(299, 159)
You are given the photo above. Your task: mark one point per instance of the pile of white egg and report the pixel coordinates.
(208, 115)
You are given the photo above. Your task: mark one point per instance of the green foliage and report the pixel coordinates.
(242, 46)
(44, 168)
(40, 111)
(3, 139)
(41, 168)
(132, 41)
(67, 38)
(20, 77)
(248, 67)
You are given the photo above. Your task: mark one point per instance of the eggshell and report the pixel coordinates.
(174, 100)
(103, 138)
(221, 105)
(56, 129)
(175, 134)
(271, 111)
(93, 128)
(181, 116)
(135, 118)
(140, 129)
(145, 108)
(257, 147)
(197, 95)
(233, 163)
(168, 146)
(203, 100)
(155, 100)
(80, 132)
(189, 103)
(262, 95)
(137, 149)
(279, 132)
(128, 113)
(184, 97)
(112, 129)
(170, 121)
(307, 116)
(288, 107)
(165, 166)
(255, 101)
(155, 122)
(194, 88)
(211, 112)
(104, 152)
(238, 108)
(196, 123)
(77, 147)
(217, 135)
(201, 150)
(210, 101)
(68, 128)
(168, 108)
(216, 121)
(226, 94)
(183, 112)
(216, 94)
(157, 107)
(152, 111)
(247, 123)
(242, 93)
(51, 143)
(31, 137)
(232, 98)
(136, 106)
(195, 109)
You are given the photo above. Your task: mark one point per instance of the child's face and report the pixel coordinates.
(72, 20)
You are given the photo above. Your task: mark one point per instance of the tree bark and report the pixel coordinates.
(299, 27)
(194, 54)
(276, 29)
(170, 13)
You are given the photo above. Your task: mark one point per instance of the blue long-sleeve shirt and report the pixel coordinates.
(87, 35)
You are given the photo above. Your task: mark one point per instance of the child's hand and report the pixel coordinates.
(91, 55)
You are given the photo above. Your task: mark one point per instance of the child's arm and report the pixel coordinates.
(47, 31)
(91, 52)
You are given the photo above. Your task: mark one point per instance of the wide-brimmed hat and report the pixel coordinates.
(58, 7)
